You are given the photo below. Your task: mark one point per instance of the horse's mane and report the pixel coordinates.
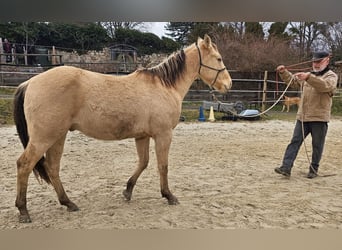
(170, 70)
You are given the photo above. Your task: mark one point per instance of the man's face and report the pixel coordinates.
(319, 65)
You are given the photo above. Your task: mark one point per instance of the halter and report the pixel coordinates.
(206, 66)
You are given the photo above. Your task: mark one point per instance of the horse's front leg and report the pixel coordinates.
(142, 145)
(162, 144)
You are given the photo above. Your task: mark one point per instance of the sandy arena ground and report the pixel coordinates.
(222, 173)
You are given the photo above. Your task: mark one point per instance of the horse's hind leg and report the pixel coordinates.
(25, 165)
(52, 166)
(162, 151)
(142, 145)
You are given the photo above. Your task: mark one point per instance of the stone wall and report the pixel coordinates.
(100, 61)
(89, 57)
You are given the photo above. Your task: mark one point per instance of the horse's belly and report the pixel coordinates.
(113, 136)
(115, 131)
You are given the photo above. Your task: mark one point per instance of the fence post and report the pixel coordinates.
(264, 92)
(53, 56)
(25, 55)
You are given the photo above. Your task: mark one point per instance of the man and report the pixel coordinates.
(8, 50)
(314, 110)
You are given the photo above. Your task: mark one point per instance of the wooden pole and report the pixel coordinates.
(263, 105)
(25, 55)
(53, 58)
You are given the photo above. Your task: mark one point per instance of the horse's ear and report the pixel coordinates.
(199, 39)
(207, 41)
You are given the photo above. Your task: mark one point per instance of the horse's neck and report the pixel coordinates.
(191, 71)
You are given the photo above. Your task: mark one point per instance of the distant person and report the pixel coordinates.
(318, 87)
(8, 50)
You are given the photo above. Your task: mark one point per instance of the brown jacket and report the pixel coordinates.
(316, 98)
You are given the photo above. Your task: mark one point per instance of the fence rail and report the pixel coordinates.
(40, 59)
(260, 93)
(13, 75)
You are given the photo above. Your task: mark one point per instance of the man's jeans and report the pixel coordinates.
(318, 131)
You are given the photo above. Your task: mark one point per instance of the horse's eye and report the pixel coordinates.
(219, 59)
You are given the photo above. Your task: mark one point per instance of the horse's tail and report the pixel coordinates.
(20, 122)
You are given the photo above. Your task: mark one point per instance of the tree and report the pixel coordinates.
(333, 39)
(94, 37)
(305, 34)
(179, 31)
(250, 52)
(235, 28)
(169, 45)
(145, 42)
(150, 43)
(278, 29)
(200, 29)
(255, 29)
(81, 36)
(111, 27)
(20, 32)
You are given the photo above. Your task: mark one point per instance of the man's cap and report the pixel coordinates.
(319, 55)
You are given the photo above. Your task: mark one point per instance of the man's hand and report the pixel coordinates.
(281, 68)
(302, 75)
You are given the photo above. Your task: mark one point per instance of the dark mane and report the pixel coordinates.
(170, 70)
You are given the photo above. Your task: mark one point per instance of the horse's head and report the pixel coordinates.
(212, 69)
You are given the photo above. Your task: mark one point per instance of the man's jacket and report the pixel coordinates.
(316, 98)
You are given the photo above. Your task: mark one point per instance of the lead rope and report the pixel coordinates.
(302, 125)
(289, 67)
(262, 113)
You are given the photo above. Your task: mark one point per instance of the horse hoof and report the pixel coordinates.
(127, 195)
(24, 219)
(173, 201)
(72, 208)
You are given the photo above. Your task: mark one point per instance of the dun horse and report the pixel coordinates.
(142, 105)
